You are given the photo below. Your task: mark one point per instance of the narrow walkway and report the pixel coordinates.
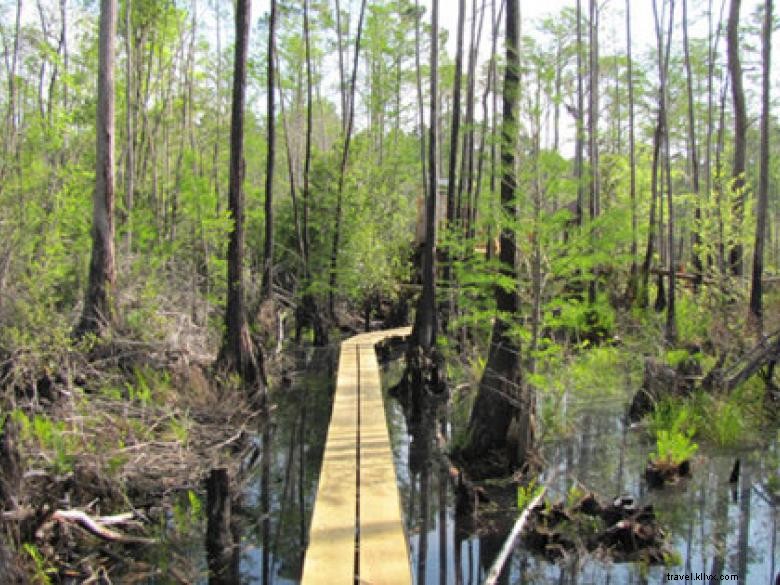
(357, 533)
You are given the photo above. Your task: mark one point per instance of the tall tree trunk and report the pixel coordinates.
(740, 137)
(342, 82)
(593, 126)
(267, 285)
(693, 155)
(756, 312)
(290, 166)
(10, 145)
(420, 106)
(97, 315)
(238, 353)
(424, 331)
(470, 215)
(712, 48)
(644, 290)
(494, 410)
(489, 87)
(130, 138)
(579, 146)
(334, 253)
(455, 128)
(671, 317)
(631, 156)
(307, 149)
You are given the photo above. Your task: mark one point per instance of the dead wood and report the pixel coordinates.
(99, 526)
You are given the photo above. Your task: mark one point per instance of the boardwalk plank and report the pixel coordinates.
(383, 552)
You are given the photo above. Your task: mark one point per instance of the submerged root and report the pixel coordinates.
(619, 530)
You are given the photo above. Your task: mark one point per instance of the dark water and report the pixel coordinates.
(714, 528)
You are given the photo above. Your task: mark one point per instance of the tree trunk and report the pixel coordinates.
(420, 107)
(762, 205)
(671, 321)
(631, 157)
(130, 138)
(455, 128)
(307, 149)
(424, 331)
(693, 154)
(238, 353)
(342, 83)
(740, 137)
(593, 128)
(334, 253)
(579, 146)
(267, 285)
(500, 398)
(97, 315)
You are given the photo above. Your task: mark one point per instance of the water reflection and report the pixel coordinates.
(713, 533)
(280, 496)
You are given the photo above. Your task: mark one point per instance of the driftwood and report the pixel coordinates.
(509, 543)
(99, 526)
(661, 380)
(765, 353)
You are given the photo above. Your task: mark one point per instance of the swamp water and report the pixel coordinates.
(714, 527)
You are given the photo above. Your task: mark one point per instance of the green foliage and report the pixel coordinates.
(673, 447)
(180, 429)
(675, 357)
(188, 512)
(677, 416)
(727, 423)
(574, 495)
(598, 371)
(42, 569)
(674, 424)
(525, 494)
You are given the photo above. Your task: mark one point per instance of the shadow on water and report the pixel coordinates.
(715, 527)
(279, 500)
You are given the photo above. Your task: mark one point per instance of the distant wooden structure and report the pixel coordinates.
(357, 533)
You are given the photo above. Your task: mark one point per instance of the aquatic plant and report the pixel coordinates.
(42, 569)
(673, 447)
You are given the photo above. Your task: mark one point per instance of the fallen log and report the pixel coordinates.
(99, 526)
(661, 380)
(509, 543)
(765, 353)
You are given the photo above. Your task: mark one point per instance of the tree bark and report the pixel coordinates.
(342, 83)
(420, 106)
(307, 149)
(97, 316)
(593, 127)
(238, 353)
(455, 128)
(500, 397)
(425, 326)
(740, 136)
(671, 317)
(579, 146)
(631, 157)
(266, 287)
(756, 309)
(693, 153)
(129, 130)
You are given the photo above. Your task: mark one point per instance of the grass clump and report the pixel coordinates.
(673, 447)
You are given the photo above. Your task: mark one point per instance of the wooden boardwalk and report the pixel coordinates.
(357, 533)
